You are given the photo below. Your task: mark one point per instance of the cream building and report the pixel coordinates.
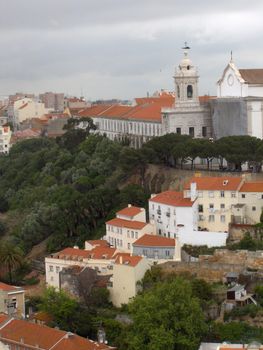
(123, 269)
(12, 300)
(129, 225)
(100, 258)
(127, 272)
(224, 200)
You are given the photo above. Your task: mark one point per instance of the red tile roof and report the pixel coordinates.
(75, 342)
(252, 187)
(173, 198)
(3, 318)
(72, 252)
(137, 225)
(224, 183)
(99, 242)
(127, 259)
(130, 211)
(102, 253)
(34, 335)
(7, 287)
(154, 241)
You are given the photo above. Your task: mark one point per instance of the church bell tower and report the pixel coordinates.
(186, 83)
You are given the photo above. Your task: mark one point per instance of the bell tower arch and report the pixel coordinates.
(186, 83)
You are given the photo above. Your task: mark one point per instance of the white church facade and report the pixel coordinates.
(238, 108)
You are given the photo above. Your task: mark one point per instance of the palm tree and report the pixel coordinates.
(11, 257)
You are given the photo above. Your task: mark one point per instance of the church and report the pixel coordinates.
(238, 108)
(191, 113)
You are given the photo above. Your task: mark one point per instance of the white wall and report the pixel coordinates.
(237, 89)
(256, 119)
(211, 239)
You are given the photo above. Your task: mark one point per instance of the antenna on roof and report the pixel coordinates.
(231, 56)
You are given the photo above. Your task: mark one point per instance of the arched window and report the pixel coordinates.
(189, 91)
(178, 91)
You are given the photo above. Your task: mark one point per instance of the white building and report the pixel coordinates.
(129, 225)
(238, 109)
(176, 215)
(171, 211)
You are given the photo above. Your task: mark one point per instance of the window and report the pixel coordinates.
(152, 206)
(211, 194)
(129, 246)
(262, 196)
(51, 268)
(144, 252)
(254, 208)
(222, 194)
(189, 91)
(178, 91)
(222, 206)
(233, 194)
(160, 231)
(178, 131)
(132, 234)
(222, 218)
(57, 269)
(243, 195)
(128, 234)
(200, 208)
(204, 131)
(167, 253)
(51, 278)
(201, 218)
(192, 131)
(136, 235)
(211, 218)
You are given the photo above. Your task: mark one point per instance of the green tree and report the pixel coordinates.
(11, 257)
(166, 317)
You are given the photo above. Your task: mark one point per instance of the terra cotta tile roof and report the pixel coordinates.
(252, 187)
(130, 211)
(154, 241)
(172, 198)
(207, 183)
(127, 259)
(137, 225)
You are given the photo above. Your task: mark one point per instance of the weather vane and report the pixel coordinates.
(186, 47)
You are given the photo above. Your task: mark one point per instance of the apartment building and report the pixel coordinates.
(54, 101)
(5, 139)
(129, 225)
(171, 211)
(121, 270)
(226, 199)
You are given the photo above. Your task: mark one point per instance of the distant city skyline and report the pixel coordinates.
(122, 49)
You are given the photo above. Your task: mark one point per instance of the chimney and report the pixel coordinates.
(121, 260)
(76, 247)
(129, 205)
(193, 191)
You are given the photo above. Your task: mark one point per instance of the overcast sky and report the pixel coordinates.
(123, 48)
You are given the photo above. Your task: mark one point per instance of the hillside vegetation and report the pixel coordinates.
(64, 190)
